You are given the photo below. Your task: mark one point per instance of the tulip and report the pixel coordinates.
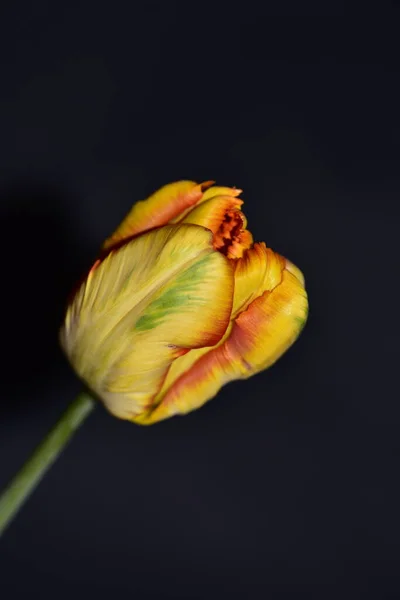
(180, 302)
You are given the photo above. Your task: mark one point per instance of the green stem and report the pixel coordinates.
(43, 457)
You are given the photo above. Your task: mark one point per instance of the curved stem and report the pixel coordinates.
(43, 457)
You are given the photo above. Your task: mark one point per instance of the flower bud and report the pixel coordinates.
(180, 302)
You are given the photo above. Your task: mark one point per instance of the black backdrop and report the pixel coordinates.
(285, 486)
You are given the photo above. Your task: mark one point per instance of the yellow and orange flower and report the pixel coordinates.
(179, 303)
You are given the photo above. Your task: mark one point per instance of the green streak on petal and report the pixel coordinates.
(177, 295)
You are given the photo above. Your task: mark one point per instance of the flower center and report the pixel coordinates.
(232, 237)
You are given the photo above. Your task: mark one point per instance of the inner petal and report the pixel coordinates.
(232, 237)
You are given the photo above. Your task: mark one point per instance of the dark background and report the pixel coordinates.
(285, 486)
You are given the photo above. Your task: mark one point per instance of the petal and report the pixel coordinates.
(217, 190)
(253, 342)
(269, 326)
(259, 270)
(148, 302)
(163, 206)
(211, 192)
(295, 270)
(242, 242)
(222, 215)
(211, 213)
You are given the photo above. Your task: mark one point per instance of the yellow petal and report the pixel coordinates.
(258, 336)
(211, 192)
(211, 213)
(295, 270)
(218, 190)
(150, 301)
(269, 326)
(259, 270)
(160, 208)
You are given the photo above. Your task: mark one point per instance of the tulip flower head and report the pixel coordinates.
(180, 302)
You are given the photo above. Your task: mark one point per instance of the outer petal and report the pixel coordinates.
(148, 302)
(259, 270)
(255, 340)
(163, 206)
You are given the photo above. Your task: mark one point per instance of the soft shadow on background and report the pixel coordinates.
(284, 486)
(41, 262)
